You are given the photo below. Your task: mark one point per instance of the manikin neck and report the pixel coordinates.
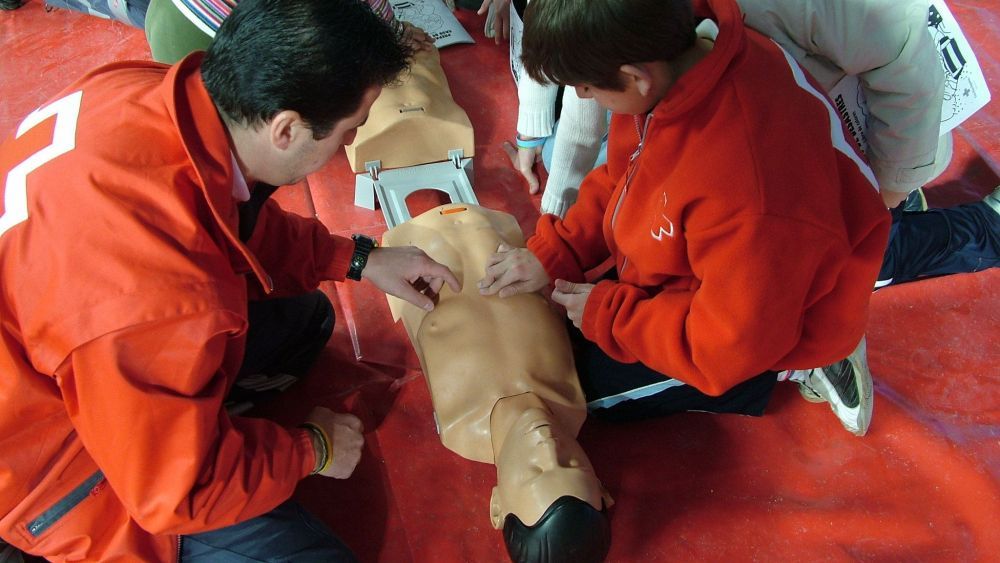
(505, 413)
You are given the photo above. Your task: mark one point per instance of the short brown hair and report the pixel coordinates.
(586, 41)
(315, 57)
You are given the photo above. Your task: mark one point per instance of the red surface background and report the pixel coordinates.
(793, 485)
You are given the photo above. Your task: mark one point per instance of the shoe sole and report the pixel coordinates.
(810, 395)
(866, 400)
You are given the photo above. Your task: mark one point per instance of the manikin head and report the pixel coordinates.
(548, 499)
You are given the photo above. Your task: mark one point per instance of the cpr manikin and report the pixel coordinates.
(414, 122)
(505, 390)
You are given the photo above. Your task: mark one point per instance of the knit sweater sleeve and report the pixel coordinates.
(536, 107)
(582, 126)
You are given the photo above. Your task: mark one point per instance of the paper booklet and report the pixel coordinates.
(516, 32)
(433, 17)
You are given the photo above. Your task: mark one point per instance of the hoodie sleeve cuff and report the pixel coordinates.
(553, 258)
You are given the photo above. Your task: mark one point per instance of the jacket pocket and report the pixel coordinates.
(45, 520)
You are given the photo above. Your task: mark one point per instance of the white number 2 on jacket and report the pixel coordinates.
(66, 111)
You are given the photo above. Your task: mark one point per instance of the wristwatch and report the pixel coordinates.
(363, 246)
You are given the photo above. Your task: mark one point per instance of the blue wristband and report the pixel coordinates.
(529, 143)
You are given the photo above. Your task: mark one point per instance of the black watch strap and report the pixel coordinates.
(363, 246)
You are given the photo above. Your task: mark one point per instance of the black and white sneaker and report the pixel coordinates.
(993, 200)
(846, 385)
(915, 201)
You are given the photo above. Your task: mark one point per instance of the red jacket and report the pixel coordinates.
(123, 319)
(750, 233)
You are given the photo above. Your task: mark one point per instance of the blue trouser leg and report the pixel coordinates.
(286, 534)
(960, 239)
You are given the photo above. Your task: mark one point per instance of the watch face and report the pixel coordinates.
(356, 262)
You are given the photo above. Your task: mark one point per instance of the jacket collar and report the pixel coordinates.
(207, 145)
(696, 84)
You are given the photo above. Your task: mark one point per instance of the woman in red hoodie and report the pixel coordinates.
(744, 230)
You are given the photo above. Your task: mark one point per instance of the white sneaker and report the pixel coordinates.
(993, 200)
(846, 385)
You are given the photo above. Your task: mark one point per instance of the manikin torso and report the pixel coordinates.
(476, 350)
(413, 122)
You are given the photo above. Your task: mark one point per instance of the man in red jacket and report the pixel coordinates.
(744, 229)
(146, 275)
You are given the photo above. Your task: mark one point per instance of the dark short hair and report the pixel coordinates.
(577, 42)
(570, 531)
(315, 57)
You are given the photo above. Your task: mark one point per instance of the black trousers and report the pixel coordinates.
(285, 337)
(960, 239)
(617, 391)
(286, 534)
(283, 340)
(287, 334)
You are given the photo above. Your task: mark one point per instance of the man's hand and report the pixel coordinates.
(408, 273)
(345, 431)
(511, 271)
(501, 17)
(417, 38)
(524, 160)
(573, 296)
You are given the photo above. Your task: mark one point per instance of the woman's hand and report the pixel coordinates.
(511, 271)
(573, 296)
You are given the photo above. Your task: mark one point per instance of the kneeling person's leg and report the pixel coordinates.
(284, 338)
(287, 533)
(620, 391)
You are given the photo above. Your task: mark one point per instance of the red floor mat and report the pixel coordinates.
(793, 485)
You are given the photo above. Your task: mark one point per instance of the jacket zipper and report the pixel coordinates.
(633, 165)
(180, 539)
(55, 512)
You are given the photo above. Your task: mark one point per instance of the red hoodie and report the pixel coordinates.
(747, 233)
(123, 318)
